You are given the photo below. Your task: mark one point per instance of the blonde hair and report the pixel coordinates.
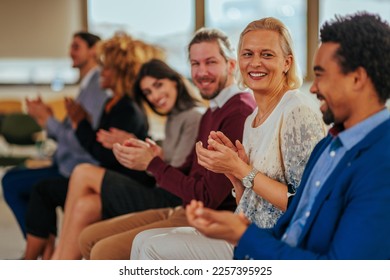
(214, 35)
(293, 75)
(126, 55)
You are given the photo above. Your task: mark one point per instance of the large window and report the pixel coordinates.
(232, 16)
(330, 8)
(36, 71)
(168, 23)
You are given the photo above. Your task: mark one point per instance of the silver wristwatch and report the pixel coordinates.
(247, 181)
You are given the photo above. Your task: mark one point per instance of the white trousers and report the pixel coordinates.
(178, 243)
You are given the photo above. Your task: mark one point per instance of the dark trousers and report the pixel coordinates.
(17, 185)
(46, 196)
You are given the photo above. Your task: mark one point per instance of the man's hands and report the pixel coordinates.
(221, 156)
(39, 110)
(136, 154)
(216, 224)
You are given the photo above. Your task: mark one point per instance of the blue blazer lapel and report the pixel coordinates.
(284, 221)
(339, 176)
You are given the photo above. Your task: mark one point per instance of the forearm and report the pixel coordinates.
(59, 130)
(270, 189)
(211, 188)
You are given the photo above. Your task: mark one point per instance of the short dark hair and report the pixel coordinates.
(89, 38)
(364, 41)
(160, 70)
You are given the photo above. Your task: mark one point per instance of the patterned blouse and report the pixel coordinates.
(279, 148)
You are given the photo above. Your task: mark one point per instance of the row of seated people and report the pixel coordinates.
(250, 155)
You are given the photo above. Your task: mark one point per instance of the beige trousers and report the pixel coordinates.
(112, 239)
(179, 243)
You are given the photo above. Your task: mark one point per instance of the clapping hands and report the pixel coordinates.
(216, 224)
(136, 154)
(114, 135)
(75, 112)
(221, 155)
(39, 110)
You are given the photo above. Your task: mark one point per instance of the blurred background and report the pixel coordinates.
(35, 38)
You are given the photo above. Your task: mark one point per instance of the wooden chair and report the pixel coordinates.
(58, 107)
(10, 106)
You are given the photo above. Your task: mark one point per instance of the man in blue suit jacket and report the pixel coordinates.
(342, 209)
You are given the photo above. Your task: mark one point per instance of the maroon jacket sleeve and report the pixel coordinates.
(200, 184)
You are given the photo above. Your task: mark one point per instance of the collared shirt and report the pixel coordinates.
(325, 165)
(85, 81)
(69, 152)
(224, 96)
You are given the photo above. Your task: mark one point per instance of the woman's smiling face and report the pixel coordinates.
(161, 93)
(261, 60)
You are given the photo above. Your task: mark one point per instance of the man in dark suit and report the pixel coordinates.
(342, 209)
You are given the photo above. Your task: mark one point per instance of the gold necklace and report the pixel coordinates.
(260, 120)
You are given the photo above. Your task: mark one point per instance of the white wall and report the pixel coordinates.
(38, 28)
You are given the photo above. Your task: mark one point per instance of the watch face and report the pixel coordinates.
(247, 183)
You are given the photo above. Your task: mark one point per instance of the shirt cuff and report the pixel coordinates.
(52, 125)
(249, 243)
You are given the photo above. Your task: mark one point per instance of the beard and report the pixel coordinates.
(221, 85)
(79, 65)
(328, 117)
(211, 96)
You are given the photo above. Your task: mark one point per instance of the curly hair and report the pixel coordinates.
(364, 41)
(125, 55)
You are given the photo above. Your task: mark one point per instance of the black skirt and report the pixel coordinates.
(122, 195)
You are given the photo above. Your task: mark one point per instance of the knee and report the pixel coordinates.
(85, 207)
(137, 246)
(84, 169)
(9, 183)
(86, 242)
(84, 175)
(80, 170)
(110, 249)
(151, 249)
(100, 251)
(142, 244)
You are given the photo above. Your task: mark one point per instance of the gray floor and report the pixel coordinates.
(11, 239)
(12, 243)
